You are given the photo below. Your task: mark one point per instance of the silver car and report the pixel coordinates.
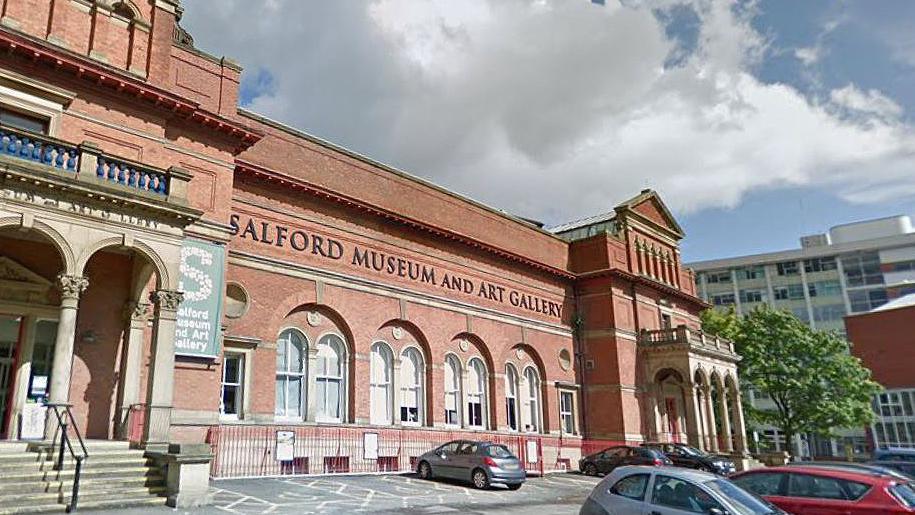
(481, 463)
(640, 490)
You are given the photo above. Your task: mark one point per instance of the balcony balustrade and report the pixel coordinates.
(682, 335)
(86, 162)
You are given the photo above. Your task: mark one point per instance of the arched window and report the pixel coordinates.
(476, 394)
(533, 400)
(511, 396)
(290, 374)
(123, 10)
(330, 378)
(382, 364)
(452, 391)
(412, 377)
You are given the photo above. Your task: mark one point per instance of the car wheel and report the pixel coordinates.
(514, 487)
(425, 470)
(480, 479)
(590, 469)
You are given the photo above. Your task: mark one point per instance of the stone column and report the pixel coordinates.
(311, 385)
(710, 416)
(71, 287)
(136, 314)
(726, 434)
(395, 392)
(653, 396)
(162, 369)
(693, 417)
(20, 376)
(740, 429)
(462, 398)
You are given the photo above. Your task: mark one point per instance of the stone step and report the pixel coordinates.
(91, 445)
(86, 504)
(89, 464)
(67, 474)
(96, 455)
(44, 498)
(12, 448)
(85, 483)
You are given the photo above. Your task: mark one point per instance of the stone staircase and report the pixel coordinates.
(114, 476)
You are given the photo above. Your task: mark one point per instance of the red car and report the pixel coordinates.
(829, 491)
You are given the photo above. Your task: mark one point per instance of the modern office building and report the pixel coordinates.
(852, 268)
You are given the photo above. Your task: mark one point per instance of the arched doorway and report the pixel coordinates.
(671, 405)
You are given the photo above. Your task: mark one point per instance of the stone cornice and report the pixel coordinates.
(125, 84)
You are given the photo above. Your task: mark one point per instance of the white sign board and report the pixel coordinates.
(33, 418)
(285, 446)
(39, 386)
(532, 451)
(370, 446)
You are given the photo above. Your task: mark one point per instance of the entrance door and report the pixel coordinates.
(673, 419)
(9, 338)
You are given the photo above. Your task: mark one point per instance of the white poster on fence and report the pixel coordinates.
(370, 446)
(285, 446)
(532, 451)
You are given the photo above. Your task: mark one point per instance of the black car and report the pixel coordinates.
(608, 459)
(683, 455)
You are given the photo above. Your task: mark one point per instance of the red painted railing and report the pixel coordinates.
(254, 450)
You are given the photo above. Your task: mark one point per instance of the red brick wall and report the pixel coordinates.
(884, 341)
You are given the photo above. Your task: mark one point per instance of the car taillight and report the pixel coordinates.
(489, 461)
(658, 462)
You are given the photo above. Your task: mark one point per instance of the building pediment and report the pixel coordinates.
(648, 208)
(19, 284)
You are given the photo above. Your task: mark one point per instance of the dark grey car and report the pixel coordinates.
(481, 463)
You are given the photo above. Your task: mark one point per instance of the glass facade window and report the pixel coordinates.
(828, 312)
(411, 387)
(824, 288)
(789, 292)
(866, 300)
(819, 264)
(747, 296)
(724, 299)
(290, 374)
(787, 268)
(904, 266)
(532, 379)
(862, 269)
(718, 277)
(751, 272)
(801, 314)
(895, 425)
(476, 394)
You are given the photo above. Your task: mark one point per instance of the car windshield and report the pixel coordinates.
(743, 501)
(691, 451)
(905, 493)
(499, 451)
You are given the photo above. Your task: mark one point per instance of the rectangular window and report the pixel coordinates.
(567, 411)
(233, 366)
(828, 312)
(747, 296)
(787, 268)
(866, 300)
(475, 413)
(751, 272)
(718, 277)
(824, 288)
(19, 120)
(862, 269)
(819, 264)
(725, 299)
(511, 409)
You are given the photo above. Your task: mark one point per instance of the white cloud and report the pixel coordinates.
(808, 55)
(865, 102)
(556, 109)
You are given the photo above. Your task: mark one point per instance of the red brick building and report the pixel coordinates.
(134, 191)
(883, 339)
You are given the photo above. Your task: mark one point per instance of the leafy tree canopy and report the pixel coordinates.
(813, 380)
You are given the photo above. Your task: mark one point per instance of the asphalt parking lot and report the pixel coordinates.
(555, 494)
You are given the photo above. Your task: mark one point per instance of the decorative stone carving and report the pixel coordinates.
(167, 299)
(137, 310)
(397, 332)
(314, 318)
(464, 344)
(519, 353)
(71, 286)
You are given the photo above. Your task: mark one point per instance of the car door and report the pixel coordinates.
(465, 460)
(677, 456)
(443, 462)
(772, 486)
(675, 496)
(818, 495)
(611, 458)
(624, 497)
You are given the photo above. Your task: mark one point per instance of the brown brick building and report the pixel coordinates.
(134, 192)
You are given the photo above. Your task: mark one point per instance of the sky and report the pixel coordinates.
(757, 121)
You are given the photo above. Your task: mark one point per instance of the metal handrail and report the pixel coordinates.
(65, 441)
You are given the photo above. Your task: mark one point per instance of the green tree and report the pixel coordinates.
(813, 380)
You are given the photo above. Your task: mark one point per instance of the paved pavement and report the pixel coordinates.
(555, 494)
